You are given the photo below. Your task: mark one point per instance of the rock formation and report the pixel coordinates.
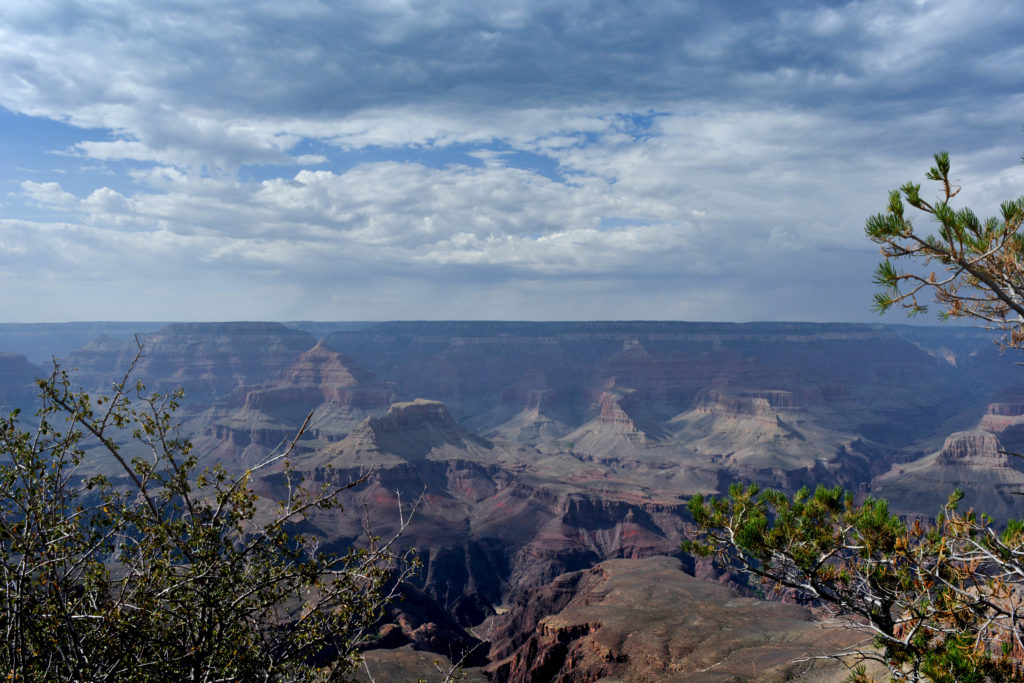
(646, 620)
(550, 463)
(208, 360)
(974, 461)
(409, 432)
(329, 386)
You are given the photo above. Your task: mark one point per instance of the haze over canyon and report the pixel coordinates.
(553, 462)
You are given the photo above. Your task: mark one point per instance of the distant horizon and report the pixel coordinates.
(885, 322)
(40, 342)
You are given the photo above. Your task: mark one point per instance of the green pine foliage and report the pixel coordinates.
(981, 268)
(940, 601)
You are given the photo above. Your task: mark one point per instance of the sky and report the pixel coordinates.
(516, 159)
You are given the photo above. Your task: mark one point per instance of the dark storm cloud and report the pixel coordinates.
(314, 59)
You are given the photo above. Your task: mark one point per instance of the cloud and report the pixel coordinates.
(50, 195)
(243, 82)
(724, 154)
(421, 232)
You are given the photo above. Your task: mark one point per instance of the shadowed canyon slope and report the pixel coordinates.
(538, 452)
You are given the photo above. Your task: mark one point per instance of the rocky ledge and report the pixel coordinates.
(647, 620)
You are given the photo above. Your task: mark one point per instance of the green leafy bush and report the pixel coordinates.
(155, 570)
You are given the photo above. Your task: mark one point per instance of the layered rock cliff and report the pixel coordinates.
(208, 360)
(772, 437)
(408, 432)
(330, 387)
(974, 461)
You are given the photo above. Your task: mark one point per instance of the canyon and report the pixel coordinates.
(550, 464)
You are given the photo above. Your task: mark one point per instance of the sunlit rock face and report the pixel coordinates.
(1005, 419)
(329, 388)
(973, 461)
(322, 376)
(646, 620)
(974, 448)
